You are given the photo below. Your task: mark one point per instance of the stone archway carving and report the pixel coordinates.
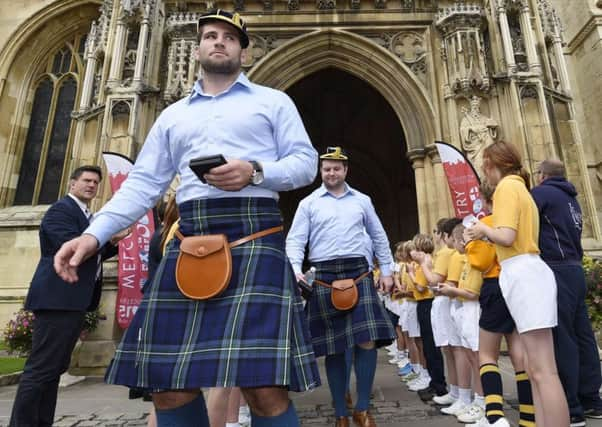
(359, 56)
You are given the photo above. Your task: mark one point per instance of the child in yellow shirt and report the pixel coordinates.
(424, 296)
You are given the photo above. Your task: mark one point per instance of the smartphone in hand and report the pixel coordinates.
(201, 165)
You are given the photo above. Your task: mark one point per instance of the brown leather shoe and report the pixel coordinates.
(348, 401)
(363, 419)
(342, 422)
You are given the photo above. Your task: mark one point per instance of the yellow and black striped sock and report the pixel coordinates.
(492, 389)
(525, 400)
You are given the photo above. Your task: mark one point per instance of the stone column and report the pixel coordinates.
(118, 52)
(563, 73)
(142, 43)
(88, 83)
(506, 40)
(529, 39)
(416, 157)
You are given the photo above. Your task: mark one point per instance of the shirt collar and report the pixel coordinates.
(197, 88)
(514, 178)
(81, 204)
(322, 191)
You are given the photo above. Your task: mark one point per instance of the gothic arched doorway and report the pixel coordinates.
(340, 109)
(349, 62)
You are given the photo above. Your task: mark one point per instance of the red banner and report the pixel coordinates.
(133, 250)
(463, 181)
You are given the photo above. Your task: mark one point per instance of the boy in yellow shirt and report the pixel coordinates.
(443, 332)
(466, 319)
(424, 296)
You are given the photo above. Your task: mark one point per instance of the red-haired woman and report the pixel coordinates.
(527, 283)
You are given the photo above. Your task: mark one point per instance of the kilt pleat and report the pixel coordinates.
(333, 331)
(254, 334)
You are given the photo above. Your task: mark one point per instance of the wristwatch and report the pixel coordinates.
(257, 175)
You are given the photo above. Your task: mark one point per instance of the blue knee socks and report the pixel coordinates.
(192, 414)
(287, 419)
(336, 372)
(365, 369)
(348, 366)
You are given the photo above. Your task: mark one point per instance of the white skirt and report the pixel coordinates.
(441, 320)
(529, 288)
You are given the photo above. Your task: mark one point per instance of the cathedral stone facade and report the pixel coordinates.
(384, 79)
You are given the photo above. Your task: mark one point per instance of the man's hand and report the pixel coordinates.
(386, 283)
(72, 254)
(233, 176)
(300, 277)
(120, 236)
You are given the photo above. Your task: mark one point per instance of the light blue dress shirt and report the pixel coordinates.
(336, 227)
(247, 121)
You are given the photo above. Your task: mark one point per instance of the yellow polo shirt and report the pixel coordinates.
(421, 280)
(442, 259)
(513, 207)
(456, 265)
(471, 280)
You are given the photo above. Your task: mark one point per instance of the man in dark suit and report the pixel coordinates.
(59, 307)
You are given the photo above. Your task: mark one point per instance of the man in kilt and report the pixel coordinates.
(253, 335)
(341, 227)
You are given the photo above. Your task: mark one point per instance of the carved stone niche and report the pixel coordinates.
(326, 4)
(258, 48)
(464, 47)
(410, 47)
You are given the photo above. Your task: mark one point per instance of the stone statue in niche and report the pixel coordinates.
(477, 132)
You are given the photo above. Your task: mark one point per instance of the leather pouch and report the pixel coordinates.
(204, 266)
(344, 294)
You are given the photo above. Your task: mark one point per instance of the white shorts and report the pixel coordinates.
(412, 320)
(403, 314)
(470, 313)
(529, 288)
(441, 320)
(396, 307)
(455, 329)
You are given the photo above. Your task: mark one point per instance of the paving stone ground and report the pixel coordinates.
(93, 403)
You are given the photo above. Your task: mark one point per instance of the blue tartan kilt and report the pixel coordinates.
(333, 331)
(255, 334)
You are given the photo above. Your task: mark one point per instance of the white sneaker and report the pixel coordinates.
(484, 423)
(446, 399)
(403, 361)
(501, 422)
(421, 384)
(455, 408)
(471, 415)
(244, 415)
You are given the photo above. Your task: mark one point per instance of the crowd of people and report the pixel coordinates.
(441, 304)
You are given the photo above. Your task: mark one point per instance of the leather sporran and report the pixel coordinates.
(344, 294)
(204, 265)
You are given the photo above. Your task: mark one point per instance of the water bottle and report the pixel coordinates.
(310, 276)
(307, 286)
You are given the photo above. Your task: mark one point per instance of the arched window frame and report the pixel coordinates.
(45, 71)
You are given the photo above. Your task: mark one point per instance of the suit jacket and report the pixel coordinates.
(64, 221)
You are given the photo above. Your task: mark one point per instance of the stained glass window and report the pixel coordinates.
(42, 176)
